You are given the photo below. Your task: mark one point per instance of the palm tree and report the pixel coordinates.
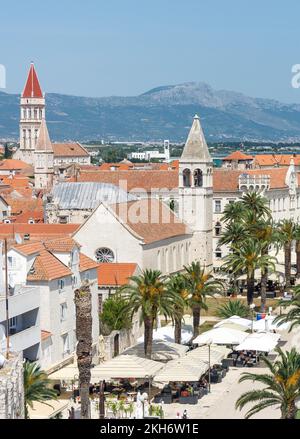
(293, 315)
(282, 386)
(83, 305)
(247, 258)
(286, 231)
(149, 294)
(257, 205)
(200, 284)
(265, 233)
(178, 284)
(233, 308)
(233, 212)
(36, 386)
(297, 238)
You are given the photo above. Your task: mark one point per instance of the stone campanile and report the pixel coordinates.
(32, 108)
(196, 193)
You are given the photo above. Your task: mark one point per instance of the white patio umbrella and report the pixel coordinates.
(267, 324)
(166, 333)
(259, 341)
(221, 336)
(161, 350)
(123, 366)
(217, 353)
(180, 372)
(235, 319)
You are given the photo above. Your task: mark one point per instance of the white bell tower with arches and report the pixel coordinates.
(196, 193)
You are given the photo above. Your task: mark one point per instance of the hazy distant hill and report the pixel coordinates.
(161, 113)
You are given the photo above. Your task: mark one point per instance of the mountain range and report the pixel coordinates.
(162, 113)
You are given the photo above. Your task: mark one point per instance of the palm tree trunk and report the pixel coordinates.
(196, 320)
(298, 258)
(291, 410)
(250, 288)
(287, 264)
(177, 330)
(263, 289)
(148, 322)
(83, 304)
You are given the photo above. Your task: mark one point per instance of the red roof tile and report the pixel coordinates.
(69, 150)
(13, 165)
(32, 88)
(150, 219)
(273, 160)
(47, 267)
(238, 155)
(134, 179)
(86, 263)
(115, 274)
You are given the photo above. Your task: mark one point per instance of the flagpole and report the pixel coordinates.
(6, 299)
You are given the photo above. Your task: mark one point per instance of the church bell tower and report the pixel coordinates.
(196, 193)
(32, 108)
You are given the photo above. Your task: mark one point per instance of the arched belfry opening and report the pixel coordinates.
(198, 178)
(186, 177)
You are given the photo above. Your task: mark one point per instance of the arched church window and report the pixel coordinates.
(198, 178)
(104, 255)
(186, 177)
(218, 253)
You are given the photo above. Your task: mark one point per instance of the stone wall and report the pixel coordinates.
(12, 388)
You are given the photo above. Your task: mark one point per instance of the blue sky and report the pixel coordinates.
(126, 47)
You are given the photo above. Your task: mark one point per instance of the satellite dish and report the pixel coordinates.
(18, 238)
(2, 360)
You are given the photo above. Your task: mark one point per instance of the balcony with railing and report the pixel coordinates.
(250, 182)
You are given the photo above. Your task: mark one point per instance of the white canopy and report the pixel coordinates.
(166, 333)
(267, 324)
(259, 341)
(161, 350)
(191, 366)
(123, 366)
(235, 319)
(43, 411)
(217, 353)
(221, 336)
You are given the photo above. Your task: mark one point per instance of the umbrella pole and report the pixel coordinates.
(101, 401)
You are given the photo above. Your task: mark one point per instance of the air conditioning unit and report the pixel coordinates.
(26, 236)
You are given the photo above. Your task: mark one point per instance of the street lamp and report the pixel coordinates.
(252, 306)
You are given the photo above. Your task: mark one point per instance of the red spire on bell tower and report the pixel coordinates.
(32, 88)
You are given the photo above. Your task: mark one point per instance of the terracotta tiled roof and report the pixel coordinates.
(47, 267)
(69, 150)
(116, 274)
(13, 165)
(65, 244)
(37, 232)
(150, 219)
(29, 248)
(86, 263)
(32, 88)
(135, 179)
(238, 155)
(21, 205)
(36, 215)
(16, 182)
(276, 159)
(228, 180)
(45, 334)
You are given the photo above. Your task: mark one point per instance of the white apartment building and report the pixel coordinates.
(42, 278)
(152, 154)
